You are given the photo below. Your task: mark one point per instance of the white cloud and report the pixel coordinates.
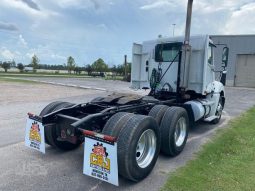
(102, 26)
(57, 56)
(30, 54)
(45, 52)
(241, 21)
(84, 4)
(7, 54)
(88, 29)
(22, 41)
(167, 5)
(22, 6)
(157, 5)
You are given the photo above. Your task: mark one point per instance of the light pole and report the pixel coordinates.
(173, 28)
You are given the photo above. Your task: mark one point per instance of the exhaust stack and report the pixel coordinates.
(186, 50)
(188, 22)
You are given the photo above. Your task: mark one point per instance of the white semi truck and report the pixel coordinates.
(156, 65)
(124, 134)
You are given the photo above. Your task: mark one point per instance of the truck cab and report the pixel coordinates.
(162, 51)
(156, 65)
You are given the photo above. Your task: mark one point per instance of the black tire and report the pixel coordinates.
(114, 125)
(48, 109)
(51, 129)
(157, 112)
(218, 113)
(168, 128)
(127, 147)
(97, 99)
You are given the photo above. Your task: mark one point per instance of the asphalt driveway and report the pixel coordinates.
(25, 169)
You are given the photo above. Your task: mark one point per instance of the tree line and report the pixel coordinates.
(97, 67)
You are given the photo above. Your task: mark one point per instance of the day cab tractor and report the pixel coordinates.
(179, 73)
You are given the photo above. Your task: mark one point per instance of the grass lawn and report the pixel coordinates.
(226, 163)
(16, 80)
(37, 74)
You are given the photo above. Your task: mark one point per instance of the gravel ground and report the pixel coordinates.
(25, 169)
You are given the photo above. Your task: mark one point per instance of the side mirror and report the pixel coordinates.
(225, 56)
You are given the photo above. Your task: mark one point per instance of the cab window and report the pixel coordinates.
(210, 55)
(167, 52)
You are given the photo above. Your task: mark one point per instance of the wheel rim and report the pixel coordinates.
(219, 110)
(146, 148)
(180, 131)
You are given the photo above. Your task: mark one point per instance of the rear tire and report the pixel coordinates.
(50, 130)
(157, 112)
(48, 109)
(114, 125)
(97, 99)
(138, 145)
(174, 131)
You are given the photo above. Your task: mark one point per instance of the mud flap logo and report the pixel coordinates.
(100, 160)
(34, 137)
(34, 134)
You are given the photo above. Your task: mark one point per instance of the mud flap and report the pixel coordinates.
(100, 158)
(34, 135)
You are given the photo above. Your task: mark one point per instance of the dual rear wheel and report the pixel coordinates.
(138, 143)
(140, 138)
(173, 125)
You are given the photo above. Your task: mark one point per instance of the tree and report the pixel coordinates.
(35, 62)
(100, 66)
(13, 63)
(6, 66)
(129, 67)
(78, 70)
(113, 69)
(70, 64)
(120, 69)
(20, 67)
(88, 69)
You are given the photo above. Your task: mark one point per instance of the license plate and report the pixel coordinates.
(100, 160)
(34, 137)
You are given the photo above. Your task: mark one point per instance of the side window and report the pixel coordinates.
(167, 52)
(210, 55)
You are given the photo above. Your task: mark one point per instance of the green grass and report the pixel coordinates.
(225, 163)
(114, 77)
(37, 74)
(2, 79)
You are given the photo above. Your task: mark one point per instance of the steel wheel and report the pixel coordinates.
(174, 129)
(180, 131)
(146, 148)
(138, 147)
(218, 112)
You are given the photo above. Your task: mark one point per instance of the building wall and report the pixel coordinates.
(238, 44)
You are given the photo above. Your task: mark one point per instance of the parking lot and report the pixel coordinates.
(25, 169)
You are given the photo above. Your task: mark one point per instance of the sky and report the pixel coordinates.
(92, 29)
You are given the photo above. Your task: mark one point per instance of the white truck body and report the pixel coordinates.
(201, 78)
(200, 71)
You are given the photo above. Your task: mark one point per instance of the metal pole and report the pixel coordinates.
(125, 64)
(188, 22)
(173, 28)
